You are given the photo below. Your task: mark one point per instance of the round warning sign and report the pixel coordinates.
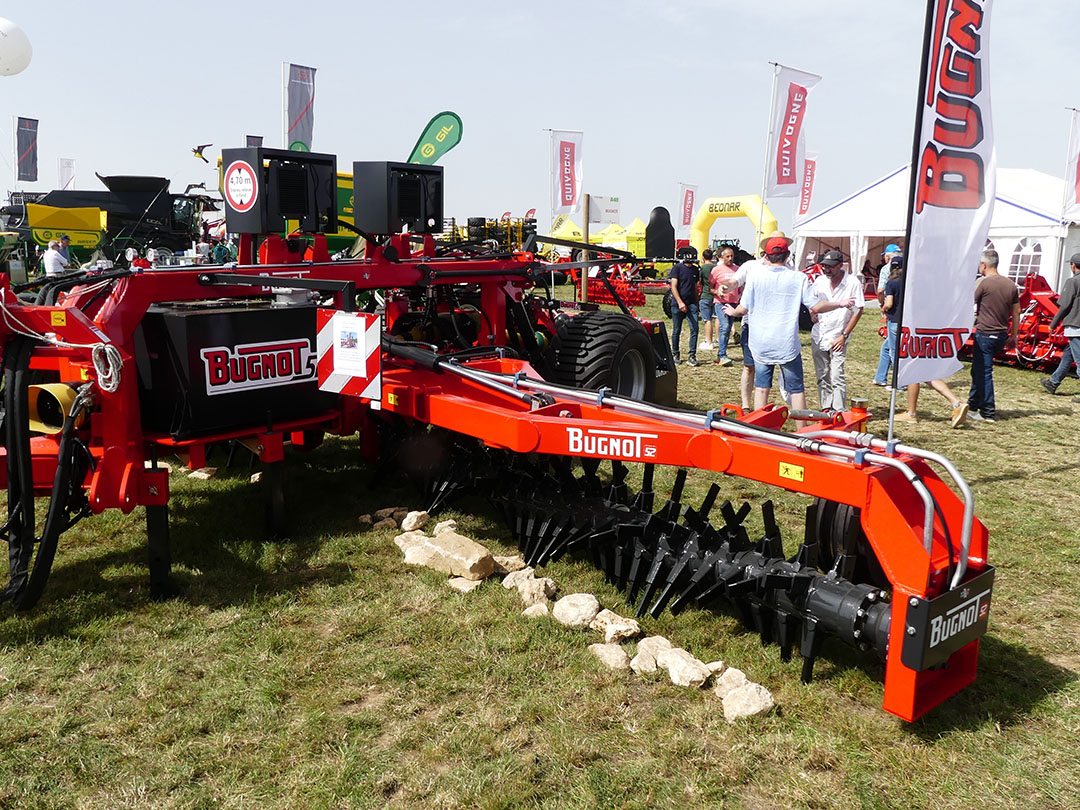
(241, 188)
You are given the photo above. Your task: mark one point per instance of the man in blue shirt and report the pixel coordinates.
(684, 278)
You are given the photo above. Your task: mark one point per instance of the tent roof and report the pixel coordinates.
(1026, 199)
(636, 229)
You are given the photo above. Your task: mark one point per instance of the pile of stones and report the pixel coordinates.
(469, 564)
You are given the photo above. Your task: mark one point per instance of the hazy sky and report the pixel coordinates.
(665, 91)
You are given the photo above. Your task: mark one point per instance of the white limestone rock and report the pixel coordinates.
(647, 649)
(616, 628)
(731, 680)
(385, 523)
(512, 579)
(536, 590)
(445, 526)
(715, 667)
(611, 656)
(462, 585)
(383, 514)
(536, 611)
(508, 565)
(576, 609)
(415, 520)
(203, 473)
(748, 700)
(451, 553)
(683, 668)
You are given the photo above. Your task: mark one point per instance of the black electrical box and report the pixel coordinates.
(388, 197)
(265, 189)
(214, 366)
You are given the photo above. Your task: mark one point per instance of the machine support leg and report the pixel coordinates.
(274, 480)
(160, 560)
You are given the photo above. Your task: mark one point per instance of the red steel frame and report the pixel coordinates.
(892, 513)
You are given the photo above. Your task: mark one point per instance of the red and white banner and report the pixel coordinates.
(687, 204)
(530, 213)
(349, 350)
(806, 191)
(567, 176)
(788, 141)
(953, 191)
(1071, 209)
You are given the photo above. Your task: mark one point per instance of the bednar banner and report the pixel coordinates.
(952, 190)
(567, 175)
(300, 106)
(788, 141)
(26, 149)
(806, 191)
(442, 133)
(1071, 210)
(687, 197)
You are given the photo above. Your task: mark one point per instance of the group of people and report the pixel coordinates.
(57, 258)
(772, 293)
(767, 294)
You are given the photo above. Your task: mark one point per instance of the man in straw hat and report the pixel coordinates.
(771, 297)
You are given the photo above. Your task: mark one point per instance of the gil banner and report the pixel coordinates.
(567, 175)
(300, 108)
(442, 134)
(787, 142)
(26, 130)
(953, 183)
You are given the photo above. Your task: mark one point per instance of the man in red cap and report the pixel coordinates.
(773, 293)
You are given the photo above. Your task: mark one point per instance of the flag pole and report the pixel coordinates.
(284, 106)
(1059, 254)
(551, 193)
(916, 144)
(15, 150)
(765, 168)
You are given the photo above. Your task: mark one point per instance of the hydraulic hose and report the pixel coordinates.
(20, 494)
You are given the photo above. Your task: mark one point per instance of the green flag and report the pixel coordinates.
(442, 134)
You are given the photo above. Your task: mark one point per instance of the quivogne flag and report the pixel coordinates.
(567, 175)
(300, 106)
(687, 202)
(26, 130)
(806, 190)
(787, 143)
(953, 180)
(1071, 209)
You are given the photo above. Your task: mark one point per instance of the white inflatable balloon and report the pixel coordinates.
(15, 50)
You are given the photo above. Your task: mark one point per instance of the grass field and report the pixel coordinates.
(320, 672)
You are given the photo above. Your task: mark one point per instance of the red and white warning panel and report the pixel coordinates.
(350, 357)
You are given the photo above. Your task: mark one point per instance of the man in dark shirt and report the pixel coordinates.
(997, 301)
(684, 278)
(1068, 314)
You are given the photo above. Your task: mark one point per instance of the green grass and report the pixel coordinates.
(319, 672)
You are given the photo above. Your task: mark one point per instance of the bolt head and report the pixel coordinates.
(911, 631)
(913, 602)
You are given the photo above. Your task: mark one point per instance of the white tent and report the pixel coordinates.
(1026, 229)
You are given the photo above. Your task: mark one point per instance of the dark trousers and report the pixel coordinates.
(677, 318)
(981, 397)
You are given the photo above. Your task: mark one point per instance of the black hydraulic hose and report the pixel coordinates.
(57, 519)
(20, 526)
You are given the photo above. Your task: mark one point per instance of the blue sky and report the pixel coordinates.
(664, 91)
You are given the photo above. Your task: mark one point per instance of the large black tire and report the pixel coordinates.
(607, 350)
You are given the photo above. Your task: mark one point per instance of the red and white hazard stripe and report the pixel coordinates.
(342, 377)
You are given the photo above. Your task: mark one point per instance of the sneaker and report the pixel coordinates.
(677, 359)
(881, 384)
(1049, 386)
(705, 346)
(975, 416)
(959, 414)
(904, 416)
(693, 361)
(723, 361)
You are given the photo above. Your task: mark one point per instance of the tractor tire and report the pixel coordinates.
(607, 350)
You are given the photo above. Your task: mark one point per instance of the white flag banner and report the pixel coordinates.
(66, 172)
(604, 210)
(1071, 209)
(953, 192)
(567, 177)
(687, 203)
(787, 142)
(806, 190)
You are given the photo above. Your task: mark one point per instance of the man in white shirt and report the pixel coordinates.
(829, 337)
(52, 261)
(772, 296)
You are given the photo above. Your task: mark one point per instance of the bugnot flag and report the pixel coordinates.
(26, 149)
(66, 172)
(1071, 209)
(300, 107)
(787, 142)
(806, 190)
(567, 176)
(952, 189)
(687, 197)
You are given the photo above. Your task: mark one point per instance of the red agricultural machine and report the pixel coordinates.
(1036, 347)
(549, 414)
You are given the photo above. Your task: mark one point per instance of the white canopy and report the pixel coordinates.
(1026, 229)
